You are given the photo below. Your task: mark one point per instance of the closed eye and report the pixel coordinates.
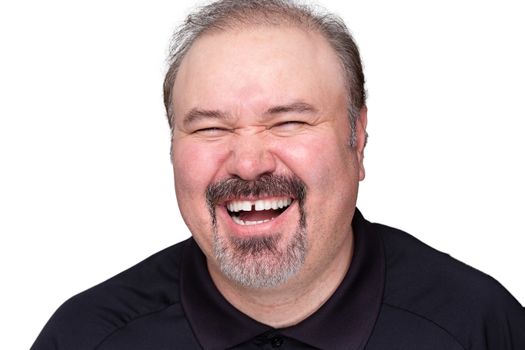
(211, 132)
(289, 125)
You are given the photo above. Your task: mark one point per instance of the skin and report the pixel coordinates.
(243, 74)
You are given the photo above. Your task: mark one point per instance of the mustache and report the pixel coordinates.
(266, 185)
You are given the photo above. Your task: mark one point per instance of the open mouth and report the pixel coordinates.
(254, 212)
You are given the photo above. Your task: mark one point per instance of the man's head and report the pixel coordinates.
(258, 98)
(234, 14)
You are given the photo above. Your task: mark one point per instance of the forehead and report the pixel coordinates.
(257, 66)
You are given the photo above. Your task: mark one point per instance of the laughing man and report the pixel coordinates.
(266, 104)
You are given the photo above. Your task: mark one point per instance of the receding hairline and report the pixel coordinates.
(269, 13)
(235, 25)
(298, 17)
(313, 37)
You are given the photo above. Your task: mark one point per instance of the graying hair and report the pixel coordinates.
(231, 14)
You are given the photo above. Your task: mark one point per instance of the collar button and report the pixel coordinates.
(277, 342)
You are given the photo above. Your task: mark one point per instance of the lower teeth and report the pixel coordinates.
(247, 223)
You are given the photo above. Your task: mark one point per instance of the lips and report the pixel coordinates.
(257, 202)
(254, 212)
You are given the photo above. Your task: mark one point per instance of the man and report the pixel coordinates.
(266, 105)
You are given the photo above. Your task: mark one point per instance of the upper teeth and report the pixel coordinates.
(262, 204)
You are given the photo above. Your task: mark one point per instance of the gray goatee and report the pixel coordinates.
(260, 261)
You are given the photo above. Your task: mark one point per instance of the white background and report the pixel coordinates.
(85, 177)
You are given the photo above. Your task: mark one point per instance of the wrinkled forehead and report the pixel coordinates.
(257, 65)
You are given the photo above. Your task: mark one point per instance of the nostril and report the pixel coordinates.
(250, 157)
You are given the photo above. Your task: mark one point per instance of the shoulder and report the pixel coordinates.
(85, 320)
(466, 303)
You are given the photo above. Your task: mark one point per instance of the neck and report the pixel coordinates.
(296, 299)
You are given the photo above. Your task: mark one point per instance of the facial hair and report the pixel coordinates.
(261, 261)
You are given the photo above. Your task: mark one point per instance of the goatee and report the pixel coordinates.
(266, 260)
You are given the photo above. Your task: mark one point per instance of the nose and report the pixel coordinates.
(250, 157)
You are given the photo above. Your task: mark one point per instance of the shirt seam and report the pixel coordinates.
(382, 244)
(429, 320)
(181, 293)
(131, 321)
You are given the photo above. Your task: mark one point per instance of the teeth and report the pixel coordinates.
(248, 223)
(261, 204)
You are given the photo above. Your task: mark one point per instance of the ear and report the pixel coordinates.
(360, 129)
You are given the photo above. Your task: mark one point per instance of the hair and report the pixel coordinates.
(233, 14)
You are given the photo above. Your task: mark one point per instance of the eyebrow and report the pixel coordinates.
(298, 107)
(196, 114)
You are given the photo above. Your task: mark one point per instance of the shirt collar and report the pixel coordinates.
(345, 321)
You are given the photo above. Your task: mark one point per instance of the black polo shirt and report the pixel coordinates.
(397, 294)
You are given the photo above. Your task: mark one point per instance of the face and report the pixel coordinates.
(264, 174)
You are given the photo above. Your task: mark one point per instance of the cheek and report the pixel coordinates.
(328, 169)
(318, 161)
(194, 167)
